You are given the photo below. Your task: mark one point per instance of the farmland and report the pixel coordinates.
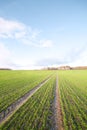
(14, 84)
(38, 112)
(73, 92)
(35, 113)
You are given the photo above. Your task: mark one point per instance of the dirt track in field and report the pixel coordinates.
(20, 102)
(58, 110)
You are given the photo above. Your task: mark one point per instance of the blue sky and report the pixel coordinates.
(35, 33)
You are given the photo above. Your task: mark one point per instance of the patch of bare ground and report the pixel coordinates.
(7, 114)
(57, 109)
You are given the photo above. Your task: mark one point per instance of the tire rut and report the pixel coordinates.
(6, 114)
(58, 111)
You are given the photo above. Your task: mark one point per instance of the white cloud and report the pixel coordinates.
(8, 28)
(23, 33)
(46, 43)
(19, 35)
(72, 57)
(38, 43)
(81, 58)
(4, 52)
(4, 56)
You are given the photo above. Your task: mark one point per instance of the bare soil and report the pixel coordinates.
(58, 110)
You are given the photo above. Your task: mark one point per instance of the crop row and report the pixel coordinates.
(14, 84)
(73, 99)
(36, 113)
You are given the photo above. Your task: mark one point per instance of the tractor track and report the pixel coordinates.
(57, 109)
(6, 114)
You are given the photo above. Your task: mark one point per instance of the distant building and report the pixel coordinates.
(64, 68)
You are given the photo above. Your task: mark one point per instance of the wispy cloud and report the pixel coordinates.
(31, 37)
(79, 56)
(4, 55)
(74, 57)
(23, 33)
(6, 60)
(52, 62)
(8, 28)
(46, 43)
(4, 52)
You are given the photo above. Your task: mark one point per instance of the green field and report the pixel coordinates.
(14, 84)
(35, 113)
(38, 112)
(73, 92)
